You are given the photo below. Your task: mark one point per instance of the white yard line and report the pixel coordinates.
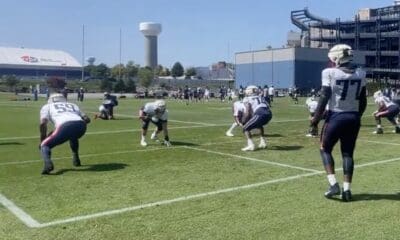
(379, 142)
(138, 130)
(253, 159)
(19, 213)
(196, 196)
(93, 155)
(30, 222)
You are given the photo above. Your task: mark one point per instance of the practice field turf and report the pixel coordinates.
(203, 187)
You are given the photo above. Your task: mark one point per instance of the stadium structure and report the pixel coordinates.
(375, 32)
(27, 63)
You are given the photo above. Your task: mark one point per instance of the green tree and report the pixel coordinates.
(190, 72)
(106, 84)
(130, 86)
(177, 70)
(118, 71)
(120, 86)
(100, 71)
(56, 83)
(11, 81)
(145, 76)
(131, 69)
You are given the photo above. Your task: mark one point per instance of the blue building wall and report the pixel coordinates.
(278, 74)
(308, 74)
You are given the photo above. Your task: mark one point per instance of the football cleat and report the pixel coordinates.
(47, 169)
(262, 144)
(153, 136)
(167, 143)
(143, 143)
(229, 134)
(332, 191)
(76, 161)
(346, 196)
(249, 148)
(378, 131)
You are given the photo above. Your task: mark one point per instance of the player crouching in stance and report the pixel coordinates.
(238, 110)
(259, 115)
(70, 125)
(388, 109)
(156, 113)
(343, 95)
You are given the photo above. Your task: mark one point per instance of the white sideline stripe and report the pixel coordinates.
(138, 130)
(253, 159)
(19, 213)
(200, 195)
(169, 201)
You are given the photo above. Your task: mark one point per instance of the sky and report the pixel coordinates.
(194, 32)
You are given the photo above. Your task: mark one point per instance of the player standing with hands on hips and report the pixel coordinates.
(343, 93)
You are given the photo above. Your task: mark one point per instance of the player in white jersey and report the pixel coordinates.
(311, 104)
(156, 113)
(70, 125)
(387, 109)
(343, 94)
(259, 115)
(238, 110)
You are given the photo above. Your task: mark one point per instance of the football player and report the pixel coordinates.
(388, 109)
(311, 104)
(70, 125)
(259, 113)
(238, 110)
(157, 113)
(105, 110)
(343, 94)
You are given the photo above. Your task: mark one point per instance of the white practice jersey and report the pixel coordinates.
(150, 110)
(256, 102)
(345, 87)
(383, 101)
(60, 112)
(311, 105)
(238, 107)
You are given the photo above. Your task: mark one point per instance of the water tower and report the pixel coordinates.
(90, 60)
(150, 31)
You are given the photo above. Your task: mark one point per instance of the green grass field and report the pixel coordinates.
(203, 187)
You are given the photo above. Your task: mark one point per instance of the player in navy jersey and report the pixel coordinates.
(343, 95)
(259, 115)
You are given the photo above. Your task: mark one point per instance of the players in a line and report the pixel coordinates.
(238, 110)
(387, 109)
(259, 114)
(157, 113)
(70, 125)
(343, 94)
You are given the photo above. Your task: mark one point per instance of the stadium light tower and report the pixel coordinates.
(150, 31)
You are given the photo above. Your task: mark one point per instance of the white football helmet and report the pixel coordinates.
(161, 105)
(378, 94)
(251, 91)
(56, 97)
(340, 53)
